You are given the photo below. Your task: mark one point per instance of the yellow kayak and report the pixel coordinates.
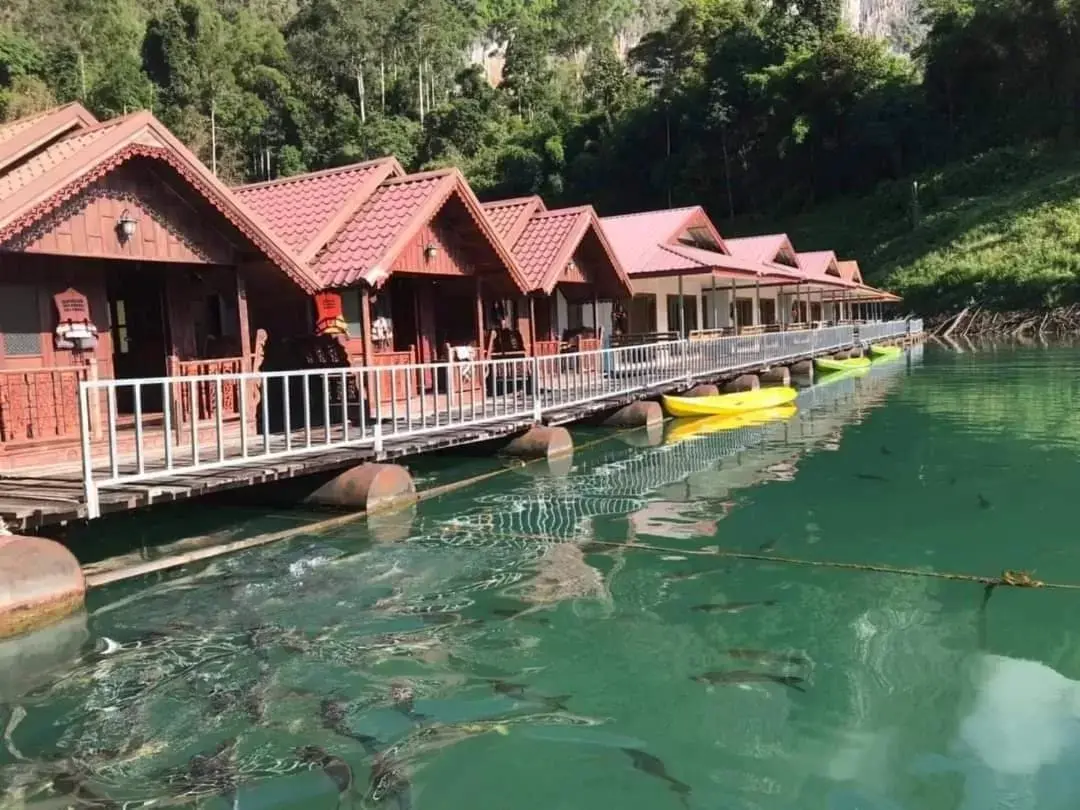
(837, 376)
(883, 352)
(828, 364)
(688, 428)
(729, 404)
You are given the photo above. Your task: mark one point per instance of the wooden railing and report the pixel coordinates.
(205, 391)
(40, 404)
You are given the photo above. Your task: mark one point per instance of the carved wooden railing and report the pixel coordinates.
(205, 403)
(40, 404)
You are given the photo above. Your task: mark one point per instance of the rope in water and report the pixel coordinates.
(1008, 578)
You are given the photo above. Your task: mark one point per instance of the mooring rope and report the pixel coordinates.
(1008, 578)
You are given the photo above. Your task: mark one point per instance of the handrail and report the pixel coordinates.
(293, 413)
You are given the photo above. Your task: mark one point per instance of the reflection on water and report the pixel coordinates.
(516, 643)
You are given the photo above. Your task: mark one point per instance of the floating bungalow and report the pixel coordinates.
(122, 256)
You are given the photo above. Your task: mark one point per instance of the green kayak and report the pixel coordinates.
(828, 364)
(886, 351)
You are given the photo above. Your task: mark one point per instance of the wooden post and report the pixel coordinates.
(595, 315)
(245, 325)
(715, 305)
(532, 322)
(682, 311)
(95, 399)
(368, 358)
(479, 317)
(757, 301)
(734, 308)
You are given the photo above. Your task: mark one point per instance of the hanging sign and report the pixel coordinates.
(329, 315)
(74, 328)
(72, 306)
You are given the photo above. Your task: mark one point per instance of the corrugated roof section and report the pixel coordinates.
(298, 208)
(363, 242)
(634, 237)
(816, 264)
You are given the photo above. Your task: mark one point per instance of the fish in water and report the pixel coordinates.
(732, 607)
(335, 767)
(70, 783)
(334, 713)
(767, 546)
(389, 782)
(740, 676)
(654, 766)
(403, 696)
(885, 451)
(519, 691)
(768, 657)
(983, 503)
(870, 477)
(524, 615)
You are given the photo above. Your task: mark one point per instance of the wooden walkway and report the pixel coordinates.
(33, 498)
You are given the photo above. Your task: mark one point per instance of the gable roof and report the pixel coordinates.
(387, 220)
(849, 271)
(635, 237)
(766, 248)
(546, 242)
(22, 137)
(307, 210)
(820, 265)
(43, 178)
(509, 217)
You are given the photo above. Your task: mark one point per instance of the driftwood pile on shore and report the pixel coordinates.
(974, 321)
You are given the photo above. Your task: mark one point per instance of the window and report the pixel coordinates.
(20, 320)
(689, 308)
(699, 238)
(120, 326)
(745, 311)
(712, 308)
(768, 311)
(575, 315)
(643, 314)
(350, 310)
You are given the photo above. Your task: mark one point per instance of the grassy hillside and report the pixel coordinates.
(1003, 228)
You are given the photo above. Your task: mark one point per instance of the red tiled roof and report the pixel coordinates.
(57, 170)
(548, 240)
(22, 137)
(365, 247)
(509, 217)
(302, 209)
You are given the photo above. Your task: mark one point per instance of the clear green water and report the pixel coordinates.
(900, 692)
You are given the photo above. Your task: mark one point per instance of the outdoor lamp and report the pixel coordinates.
(430, 250)
(125, 226)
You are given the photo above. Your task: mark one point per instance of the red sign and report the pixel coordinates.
(72, 306)
(327, 306)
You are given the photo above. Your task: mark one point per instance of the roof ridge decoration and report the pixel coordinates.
(63, 169)
(334, 170)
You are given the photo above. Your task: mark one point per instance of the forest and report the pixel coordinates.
(759, 110)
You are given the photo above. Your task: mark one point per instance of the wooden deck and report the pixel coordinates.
(32, 498)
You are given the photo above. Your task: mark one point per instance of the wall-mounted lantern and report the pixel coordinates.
(431, 250)
(125, 226)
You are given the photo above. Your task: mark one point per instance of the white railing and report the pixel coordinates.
(915, 326)
(875, 331)
(292, 413)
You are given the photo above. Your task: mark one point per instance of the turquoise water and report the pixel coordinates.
(486, 651)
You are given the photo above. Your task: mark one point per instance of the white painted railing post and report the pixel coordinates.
(90, 491)
(537, 409)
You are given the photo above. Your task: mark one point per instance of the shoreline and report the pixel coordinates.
(976, 321)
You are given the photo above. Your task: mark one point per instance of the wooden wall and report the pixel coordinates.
(170, 227)
(451, 259)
